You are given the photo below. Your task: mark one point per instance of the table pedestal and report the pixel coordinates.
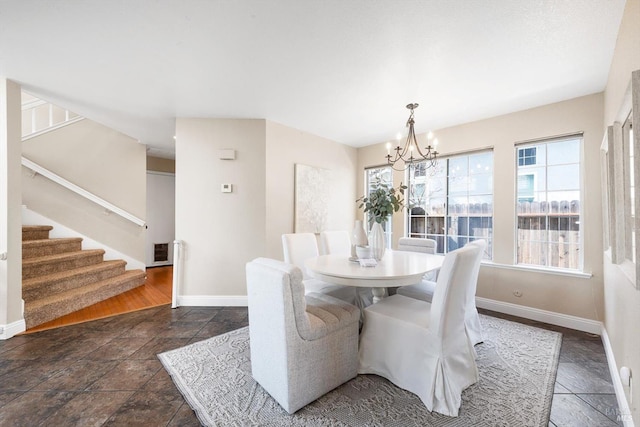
(378, 294)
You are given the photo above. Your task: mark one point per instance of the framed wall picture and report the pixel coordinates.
(311, 199)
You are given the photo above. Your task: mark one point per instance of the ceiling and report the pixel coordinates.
(340, 69)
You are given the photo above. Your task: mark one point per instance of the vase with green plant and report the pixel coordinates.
(381, 203)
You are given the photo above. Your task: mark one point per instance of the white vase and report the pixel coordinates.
(377, 241)
(358, 238)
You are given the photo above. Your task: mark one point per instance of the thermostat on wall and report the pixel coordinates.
(227, 188)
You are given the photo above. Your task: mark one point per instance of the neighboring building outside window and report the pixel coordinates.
(373, 178)
(548, 203)
(527, 156)
(452, 202)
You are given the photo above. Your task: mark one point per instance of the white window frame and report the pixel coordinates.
(548, 214)
(619, 185)
(443, 246)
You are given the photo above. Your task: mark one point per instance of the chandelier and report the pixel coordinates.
(411, 152)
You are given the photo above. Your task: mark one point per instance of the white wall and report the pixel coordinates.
(11, 317)
(287, 147)
(100, 160)
(622, 299)
(161, 217)
(570, 295)
(223, 231)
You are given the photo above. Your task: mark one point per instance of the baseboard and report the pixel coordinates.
(14, 328)
(212, 301)
(624, 413)
(558, 319)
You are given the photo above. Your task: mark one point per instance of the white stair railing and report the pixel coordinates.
(36, 168)
(40, 117)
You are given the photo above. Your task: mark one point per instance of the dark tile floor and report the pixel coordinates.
(106, 373)
(583, 394)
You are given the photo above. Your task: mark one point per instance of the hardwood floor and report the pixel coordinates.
(155, 292)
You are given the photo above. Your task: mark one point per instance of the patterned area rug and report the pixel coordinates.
(517, 365)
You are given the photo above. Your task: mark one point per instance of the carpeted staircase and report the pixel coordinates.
(58, 277)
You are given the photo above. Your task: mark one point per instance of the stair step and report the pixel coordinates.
(35, 232)
(54, 306)
(40, 287)
(39, 248)
(40, 266)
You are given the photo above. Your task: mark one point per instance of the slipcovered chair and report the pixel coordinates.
(413, 244)
(426, 246)
(422, 347)
(297, 248)
(335, 242)
(302, 346)
(426, 288)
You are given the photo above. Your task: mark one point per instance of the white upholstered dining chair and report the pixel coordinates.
(426, 288)
(302, 346)
(335, 242)
(425, 246)
(297, 248)
(422, 347)
(414, 244)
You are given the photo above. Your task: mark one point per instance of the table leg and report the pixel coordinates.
(378, 294)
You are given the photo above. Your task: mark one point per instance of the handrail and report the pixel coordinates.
(52, 128)
(81, 191)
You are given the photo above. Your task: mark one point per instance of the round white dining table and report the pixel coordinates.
(396, 268)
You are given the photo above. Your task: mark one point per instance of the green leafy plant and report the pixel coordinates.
(382, 202)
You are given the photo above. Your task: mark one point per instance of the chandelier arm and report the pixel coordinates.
(406, 154)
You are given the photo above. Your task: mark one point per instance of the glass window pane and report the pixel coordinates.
(457, 205)
(548, 194)
(459, 166)
(458, 185)
(437, 187)
(481, 184)
(481, 163)
(564, 152)
(458, 200)
(563, 177)
(529, 156)
(436, 206)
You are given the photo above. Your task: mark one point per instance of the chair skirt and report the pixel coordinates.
(396, 343)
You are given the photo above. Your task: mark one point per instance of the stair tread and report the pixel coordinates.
(37, 227)
(53, 241)
(54, 277)
(72, 293)
(62, 256)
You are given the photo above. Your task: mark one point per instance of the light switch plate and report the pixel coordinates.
(227, 188)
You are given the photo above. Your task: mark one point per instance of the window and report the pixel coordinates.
(548, 203)
(629, 186)
(373, 178)
(452, 202)
(527, 156)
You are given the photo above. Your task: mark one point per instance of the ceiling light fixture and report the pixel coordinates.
(411, 152)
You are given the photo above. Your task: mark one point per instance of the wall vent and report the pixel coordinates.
(160, 252)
